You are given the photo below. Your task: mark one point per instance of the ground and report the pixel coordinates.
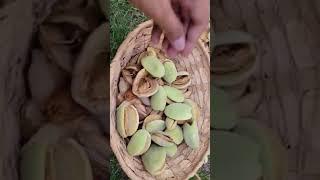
(123, 19)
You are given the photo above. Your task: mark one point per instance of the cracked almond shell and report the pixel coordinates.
(129, 72)
(123, 85)
(182, 81)
(143, 85)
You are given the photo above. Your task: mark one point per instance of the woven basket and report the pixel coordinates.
(187, 161)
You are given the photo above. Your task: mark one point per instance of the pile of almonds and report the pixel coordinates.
(155, 113)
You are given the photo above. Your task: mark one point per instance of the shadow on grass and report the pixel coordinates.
(123, 19)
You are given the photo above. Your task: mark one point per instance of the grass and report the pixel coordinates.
(123, 19)
(116, 171)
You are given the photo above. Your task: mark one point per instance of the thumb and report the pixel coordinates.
(165, 17)
(193, 35)
(172, 27)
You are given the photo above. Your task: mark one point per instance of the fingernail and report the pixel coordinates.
(179, 43)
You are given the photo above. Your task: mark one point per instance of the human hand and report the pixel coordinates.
(181, 21)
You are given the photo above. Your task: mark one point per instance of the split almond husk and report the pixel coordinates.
(127, 119)
(182, 81)
(142, 110)
(162, 139)
(129, 73)
(144, 86)
(150, 118)
(123, 85)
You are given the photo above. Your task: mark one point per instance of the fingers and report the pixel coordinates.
(193, 35)
(167, 47)
(175, 33)
(171, 51)
(199, 16)
(165, 17)
(165, 44)
(181, 21)
(156, 34)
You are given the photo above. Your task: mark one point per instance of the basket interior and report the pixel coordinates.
(187, 161)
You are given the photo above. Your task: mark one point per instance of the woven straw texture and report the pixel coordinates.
(187, 161)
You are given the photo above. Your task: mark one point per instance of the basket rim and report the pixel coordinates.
(119, 53)
(126, 40)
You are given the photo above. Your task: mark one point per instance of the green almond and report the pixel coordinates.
(154, 159)
(195, 109)
(159, 100)
(174, 94)
(139, 143)
(162, 139)
(127, 119)
(178, 111)
(191, 135)
(120, 120)
(153, 66)
(155, 125)
(149, 118)
(175, 134)
(171, 150)
(170, 123)
(170, 71)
